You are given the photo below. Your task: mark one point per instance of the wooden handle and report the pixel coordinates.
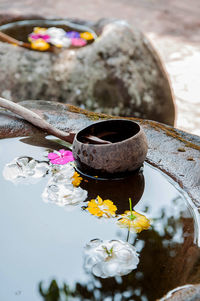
(6, 38)
(35, 119)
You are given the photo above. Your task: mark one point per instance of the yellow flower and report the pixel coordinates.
(40, 45)
(76, 179)
(59, 45)
(101, 208)
(39, 30)
(134, 221)
(87, 36)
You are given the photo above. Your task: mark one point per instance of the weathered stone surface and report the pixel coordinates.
(185, 293)
(119, 74)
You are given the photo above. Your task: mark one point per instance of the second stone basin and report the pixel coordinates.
(119, 73)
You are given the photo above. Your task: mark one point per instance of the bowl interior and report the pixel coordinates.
(110, 130)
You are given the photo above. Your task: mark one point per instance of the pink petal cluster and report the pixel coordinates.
(45, 37)
(61, 157)
(78, 42)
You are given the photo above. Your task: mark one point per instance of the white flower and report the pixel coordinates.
(63, 194)
(60, 41)
(110, 258)
(62, 173)
(25, 168)
(60, 189)
(55, 32)
(58, 37)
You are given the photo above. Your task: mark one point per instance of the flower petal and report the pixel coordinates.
(52, 156)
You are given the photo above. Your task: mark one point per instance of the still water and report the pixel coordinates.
(42, 244)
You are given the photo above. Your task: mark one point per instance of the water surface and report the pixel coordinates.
(41, 254)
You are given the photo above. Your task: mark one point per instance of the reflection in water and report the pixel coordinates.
(165, 262)
(116, 190)
(41, 242)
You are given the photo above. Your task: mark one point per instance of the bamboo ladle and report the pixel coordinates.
(93, 154)
(8, 39)
(39, 122)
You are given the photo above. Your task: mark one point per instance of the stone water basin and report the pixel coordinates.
(45, 246)
(21, 29)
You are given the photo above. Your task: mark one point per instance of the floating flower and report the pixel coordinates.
(87, 36)
(40, 45)
(63, 194)
(72, 34)
(78, 42)
(32, 37)
(58, 37)
(62, 173)
(61, 157)
(25, 168)
(56, 32)
(101, 208)
(39, 30)
(76, 179)
(60, 42)
(133, 220)
(60, 189)
(110, 258)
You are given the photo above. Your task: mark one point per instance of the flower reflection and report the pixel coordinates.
(110, 258)
(101, 208)
(25, 168)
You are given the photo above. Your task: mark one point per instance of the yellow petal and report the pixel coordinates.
(86, 36)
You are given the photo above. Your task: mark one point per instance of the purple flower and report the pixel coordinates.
(61, 157)
(73, 34)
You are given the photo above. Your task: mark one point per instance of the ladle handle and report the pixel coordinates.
(6, 38)
(35, 119)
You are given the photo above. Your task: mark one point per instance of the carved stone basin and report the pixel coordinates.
(119, 74)
(171, 198)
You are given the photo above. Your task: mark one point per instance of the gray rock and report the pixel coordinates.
(118, 74)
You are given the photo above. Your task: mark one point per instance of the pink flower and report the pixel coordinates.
(61, 157)
(34, 36)
(78, 42)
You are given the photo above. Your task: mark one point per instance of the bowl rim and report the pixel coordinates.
(114, 143)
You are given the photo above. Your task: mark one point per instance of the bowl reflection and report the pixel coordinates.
(117, 190)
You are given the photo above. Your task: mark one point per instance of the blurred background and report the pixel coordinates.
(172, 26)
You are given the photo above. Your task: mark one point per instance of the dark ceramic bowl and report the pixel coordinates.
(126, 153)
